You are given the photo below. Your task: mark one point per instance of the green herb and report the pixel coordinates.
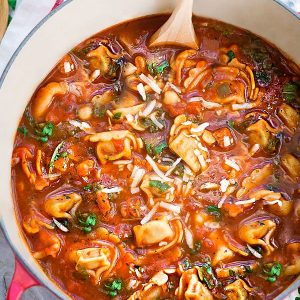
(290, 91)
(262, 77)
(113, 287)
(214, 210)
(162, 67)
(148, 124)
(64, 154)
(230, 55)
(231, 123)
(197, 248)
(23, 130)
(88, 187)
(155, 69)
(87, 221)
(45, 132)
(162, 186)
(149, 149)
(55, 156)
(117, 115)
(231, 273)
(272, 270)
(160, 147)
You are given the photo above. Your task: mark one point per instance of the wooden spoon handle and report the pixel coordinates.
(179, 28)
(3, 17)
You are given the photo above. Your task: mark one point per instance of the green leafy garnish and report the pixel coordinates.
(290, 91)
(272, 271)
(230, 55)
(214, 210)
(117, 115)
(87, 221)
(231, 123)
(23, 130)
(162, 186)
(160, 147)
(45, 132)
(113, 287)
(162, 66)
(55, 156)
(262, 77)
(272, 144)
(186, 264)
(64, 154)
(88, 187)
(148, 124)
(155, 69)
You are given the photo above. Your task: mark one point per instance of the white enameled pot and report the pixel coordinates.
(75, 21)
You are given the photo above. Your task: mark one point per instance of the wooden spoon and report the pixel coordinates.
(179, 29)
(3, 17)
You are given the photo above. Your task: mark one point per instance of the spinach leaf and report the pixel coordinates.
(162, 186)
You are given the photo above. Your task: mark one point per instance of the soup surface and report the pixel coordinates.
(164, 173)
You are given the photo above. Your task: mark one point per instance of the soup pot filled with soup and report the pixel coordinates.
(155, 173)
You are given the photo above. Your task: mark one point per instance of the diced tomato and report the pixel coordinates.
(194, 108)
(119, 145)
(177, 109)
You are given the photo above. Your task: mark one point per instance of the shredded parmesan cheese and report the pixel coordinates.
(231, 163)
(171, 207)
(189, 238)
(200, 128)
(60, 226)
(156, 169)
(138, 177)
(227, 142)
(111, 190)
(279, 202)
(172, 168)
(149, 108)
(151, 83)
(224, 184)
(134, 190)
(241, 106)
(150, 214)
(122, 162)
(200, 158)
(141, 89)
(223, 199)
(81, 125)
(254, 252)
(67, 67)
(245, 202)
(187, 123)
(156, 122)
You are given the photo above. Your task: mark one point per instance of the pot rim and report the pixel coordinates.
(48, 282)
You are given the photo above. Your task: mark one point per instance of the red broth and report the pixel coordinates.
(164, 173)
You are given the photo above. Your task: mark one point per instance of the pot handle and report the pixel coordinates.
(21, 281)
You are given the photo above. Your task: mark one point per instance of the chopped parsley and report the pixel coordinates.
(290, 92)
(155, 69)
(55, 156)
(230, 55)
(117, 115)
(23, 130)
(45, 132)
(272, 271)
(113, 287)
(231, 123)
(186, 264)
(160, 147)
(263, 78)
(99, 112)
(215, 211)
(162, 186)
(87, 221)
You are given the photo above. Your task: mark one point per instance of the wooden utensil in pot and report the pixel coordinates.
(3, 17)
(179, 29)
